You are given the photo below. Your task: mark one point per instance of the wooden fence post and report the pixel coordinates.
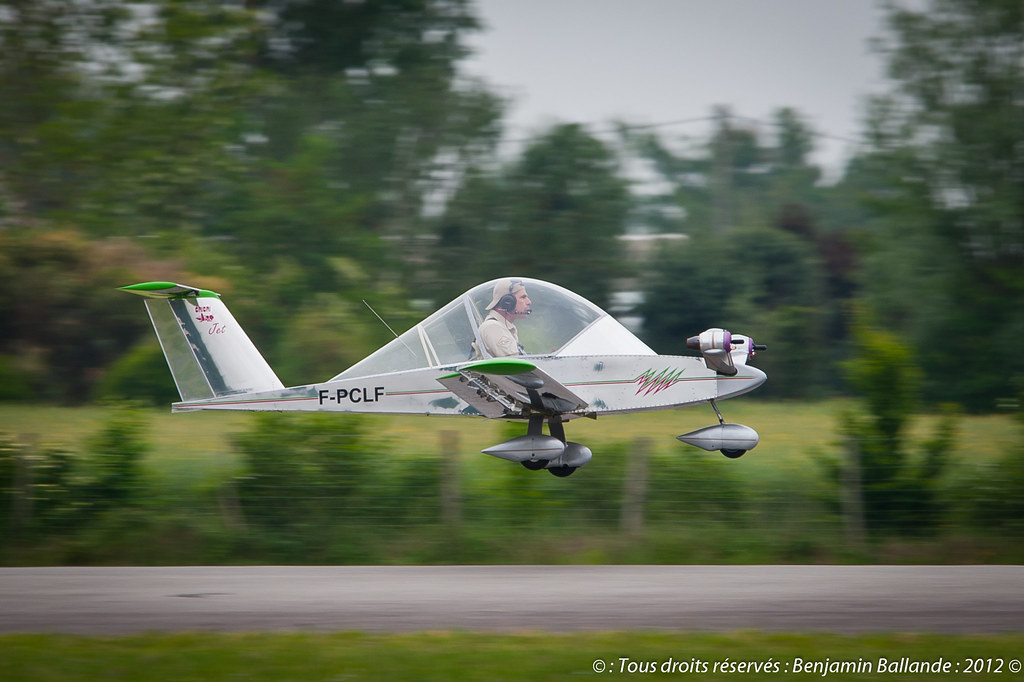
(851, 500)
(634, 494)
(21, 500)
(451, 487)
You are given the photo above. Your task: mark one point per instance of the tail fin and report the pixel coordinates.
(208, 352)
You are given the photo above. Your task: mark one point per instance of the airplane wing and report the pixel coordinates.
(508, 387)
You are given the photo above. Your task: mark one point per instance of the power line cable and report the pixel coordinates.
(687, 121)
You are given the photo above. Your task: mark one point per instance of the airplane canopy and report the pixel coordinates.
(561, 324)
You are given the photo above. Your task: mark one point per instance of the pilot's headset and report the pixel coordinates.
(508, 301)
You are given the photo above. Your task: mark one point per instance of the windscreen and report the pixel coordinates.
(451, 335)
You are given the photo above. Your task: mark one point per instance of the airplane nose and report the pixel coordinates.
(746, 380)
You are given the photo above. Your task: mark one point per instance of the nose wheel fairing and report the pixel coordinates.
(729, 438)
(732, 440)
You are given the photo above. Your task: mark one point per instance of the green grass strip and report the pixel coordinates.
(426, 656)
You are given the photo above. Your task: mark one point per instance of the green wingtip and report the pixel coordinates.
(149, 286)
(168, 290)
(502, 366)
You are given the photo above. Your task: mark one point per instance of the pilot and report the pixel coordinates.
(498, 330)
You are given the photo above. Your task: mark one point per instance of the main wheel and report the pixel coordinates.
(733, 454)
(534, 464)
(562, 471)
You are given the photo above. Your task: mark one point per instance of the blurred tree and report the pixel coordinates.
(112, 465)
(683, 202)
(215, 120)
(795, 141)
(568, 204)
(759, 259)
(761, 281)
(310, 481)
(473, 222)
(331, 37)
(735, 158)
(310, 349)
(44, 52)
(793, 180)
(898, 491)
(140, 374)
(947, 157)
(64, 321)
(121, 115)
(366, 122)
(554, 214)
(734, 178)
(287, 138)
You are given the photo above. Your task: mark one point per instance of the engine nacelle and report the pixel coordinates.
(723, 350)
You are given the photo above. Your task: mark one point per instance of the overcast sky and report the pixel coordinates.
(655, 61)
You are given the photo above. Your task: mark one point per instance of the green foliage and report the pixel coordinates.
(945, 177)
(993, 495)
(354, 125)
(291, 148)
(897, 491)
(15, 383)
(326, 335)
(689, 290)
(883, 372)
(140, 374)
(926, 506)
(330, 490)
(325, 37)
(568, 202)
(43, 46)
(111, 474)
(767, 254)
(764, 282)
(63, 319)
(48, 491)
(9, 454)
(554, 214)
(689, 486)
(734, 179)
(308, 478)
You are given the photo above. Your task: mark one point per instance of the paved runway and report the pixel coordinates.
(839, 599)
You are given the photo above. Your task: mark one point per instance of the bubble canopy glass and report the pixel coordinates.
(562, 323)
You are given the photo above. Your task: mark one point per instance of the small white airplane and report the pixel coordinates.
(569, 359)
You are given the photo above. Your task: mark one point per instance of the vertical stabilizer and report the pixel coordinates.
(206, 349)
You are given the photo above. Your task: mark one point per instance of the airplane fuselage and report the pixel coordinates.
(607, 384)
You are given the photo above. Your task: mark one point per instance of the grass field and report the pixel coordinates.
(193, 448)
(454, 656)
(791, 432)
(777, 503)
